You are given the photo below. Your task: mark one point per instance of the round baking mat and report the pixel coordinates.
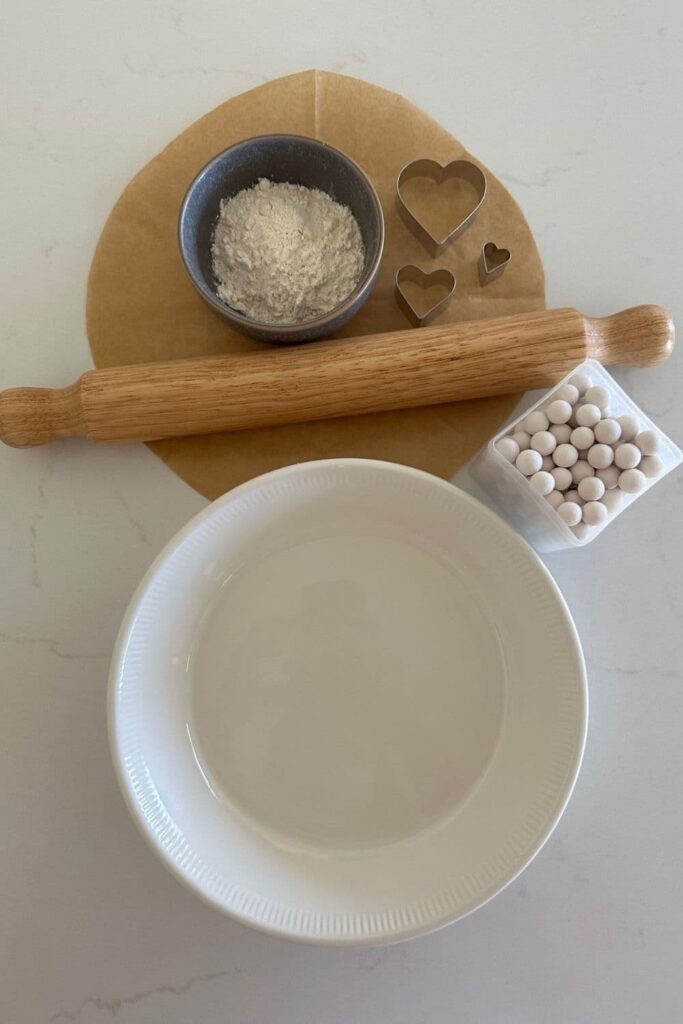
(142, 308)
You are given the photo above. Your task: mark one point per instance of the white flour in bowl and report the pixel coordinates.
(285, 253)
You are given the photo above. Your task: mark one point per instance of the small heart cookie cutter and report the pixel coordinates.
(465, 170)
(492, 262)
(416, 275)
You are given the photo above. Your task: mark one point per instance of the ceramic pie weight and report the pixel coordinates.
(142, 308)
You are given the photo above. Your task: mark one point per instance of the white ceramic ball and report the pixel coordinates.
(535, 421)
(651, 466)
(544, 442)
(648, 442)
(594, 513)
(508, 448)
(580, 470)
(555, 499)
(609, 476)
(529, 462)
(522, 438)
(542, 482)
(588, 415)
(591, 488)
(559, 411)
(580, 530)
(632, 481)
(607, 431)
(582, 437)
(562, 477)
(567, 393)
(548, 464)
(600, 456)
(629, 427)
(597, 396)
(561, 432)
(627, 456)
(565, 455)
(611, 500)
(581, 381)
(570, 512)
(573, 496)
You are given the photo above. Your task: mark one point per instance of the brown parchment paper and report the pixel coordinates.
(141, 307)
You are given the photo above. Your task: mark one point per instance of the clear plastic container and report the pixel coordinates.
(530, 513)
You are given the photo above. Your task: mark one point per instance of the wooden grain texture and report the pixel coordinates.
(141, 308)
(375, 373)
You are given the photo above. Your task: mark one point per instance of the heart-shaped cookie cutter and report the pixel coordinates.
(416, 275)
(465, 170)
(492, 262)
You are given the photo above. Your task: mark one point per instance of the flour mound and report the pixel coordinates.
(285, 253)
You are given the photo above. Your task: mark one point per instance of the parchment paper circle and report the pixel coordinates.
(141, 307)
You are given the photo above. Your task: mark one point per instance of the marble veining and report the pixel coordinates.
(114, 1006)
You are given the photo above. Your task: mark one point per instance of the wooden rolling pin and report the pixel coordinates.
(396, 370)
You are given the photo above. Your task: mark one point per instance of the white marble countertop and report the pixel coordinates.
(577, 108)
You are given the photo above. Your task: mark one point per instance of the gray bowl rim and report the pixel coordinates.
(286, 330)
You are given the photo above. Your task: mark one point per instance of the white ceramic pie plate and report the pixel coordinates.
(347, 703)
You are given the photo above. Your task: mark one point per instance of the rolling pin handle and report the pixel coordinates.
(640, 336)
(35, 416)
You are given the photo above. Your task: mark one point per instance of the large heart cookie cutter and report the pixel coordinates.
(418, 276)
(465, 170)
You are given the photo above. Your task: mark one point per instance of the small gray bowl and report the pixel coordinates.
(301, 161)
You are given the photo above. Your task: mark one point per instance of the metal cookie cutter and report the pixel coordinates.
(425, 168)
(492, 262)
(418, 276)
